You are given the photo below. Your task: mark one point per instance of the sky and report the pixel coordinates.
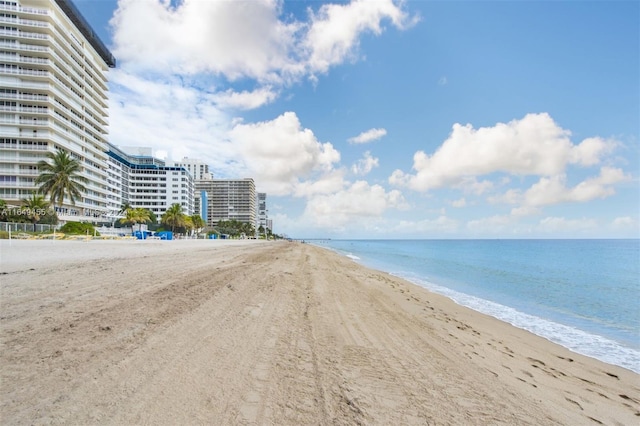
(392, 119)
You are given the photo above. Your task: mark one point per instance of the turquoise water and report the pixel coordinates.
(582, 294)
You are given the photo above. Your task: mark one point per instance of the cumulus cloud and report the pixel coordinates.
(245, 100)
(194, 36)
(553, 190)
(365, 164)
(368, 136)
(280, 153)
(358, 200)
(335, 29)
(177, 131)
(534, 145)
(627, 225)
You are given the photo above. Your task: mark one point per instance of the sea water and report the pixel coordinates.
(581, 294)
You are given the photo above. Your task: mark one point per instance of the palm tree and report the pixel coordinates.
(35, 207)
(61, 178)
(188, 225)
(198, 222)
(174, 216)
(135, 216)
(124, 207)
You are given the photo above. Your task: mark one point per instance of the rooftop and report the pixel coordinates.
(78, 20)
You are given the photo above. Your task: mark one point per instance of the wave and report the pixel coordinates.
(577, 340)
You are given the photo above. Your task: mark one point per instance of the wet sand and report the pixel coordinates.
(249, 332)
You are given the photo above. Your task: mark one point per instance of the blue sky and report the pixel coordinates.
(383, 119)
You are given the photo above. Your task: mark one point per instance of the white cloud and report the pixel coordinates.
(238, 39)
(562, 226)
(534, 145)
(335, 29)
(280, 153)
(365, 164)
(525, 211)
(235, 39)
(325, 183)
(471, 185)
(348, 206)
(462, 202)
(245, 100)
(368, 136)
(553, 190)
(176, 132)
(626, 224)
(497, 224)
(440, 225)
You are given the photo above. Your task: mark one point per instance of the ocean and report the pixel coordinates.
(581, 294)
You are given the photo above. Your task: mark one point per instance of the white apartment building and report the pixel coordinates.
(227, 199)
(144, 181)
(53, 95)
(198, 168)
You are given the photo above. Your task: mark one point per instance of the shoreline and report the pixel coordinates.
(567, 336)
(264, 332)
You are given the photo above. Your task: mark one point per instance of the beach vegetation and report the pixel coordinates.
(35, 207)
(135, 216)
(124, 207)
(174, 217)
(60, 177)
(79, 228)
(153, 219)
(235, 228)
(31, 210)
(198, 223)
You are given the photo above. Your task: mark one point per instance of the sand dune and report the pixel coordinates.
(214, 332)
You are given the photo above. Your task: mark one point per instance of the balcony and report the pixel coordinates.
(25, 72)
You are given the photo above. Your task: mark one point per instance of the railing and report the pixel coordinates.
(22, 46)
(25, 227)
(24, 9)
(26, 22)
(22, 71)
(24, 97)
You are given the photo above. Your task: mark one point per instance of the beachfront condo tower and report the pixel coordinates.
(227, 199)
(53, 95)
(139, 179)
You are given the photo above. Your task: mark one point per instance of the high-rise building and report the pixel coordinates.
(146, 182)
(228, 199)
(261, 214)
(53, 95)
(198, 168)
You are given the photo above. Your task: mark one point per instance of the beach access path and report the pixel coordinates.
(251, 332)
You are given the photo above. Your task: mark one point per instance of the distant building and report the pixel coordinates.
(201, 203)
(198, 168)
(227, 199)
(53, 95)
(146, 182)
(262, 218)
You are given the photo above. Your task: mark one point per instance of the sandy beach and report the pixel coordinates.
(250, 332)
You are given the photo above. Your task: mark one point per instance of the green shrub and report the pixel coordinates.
(79, 228)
